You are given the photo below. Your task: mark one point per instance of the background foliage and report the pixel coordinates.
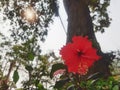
(21, 53)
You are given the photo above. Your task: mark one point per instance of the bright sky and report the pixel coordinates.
(57, 37)
(110, 40)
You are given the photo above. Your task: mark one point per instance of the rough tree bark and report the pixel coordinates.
(80, 23)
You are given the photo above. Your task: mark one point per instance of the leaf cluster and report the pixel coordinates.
(99, 14)
(21, 29)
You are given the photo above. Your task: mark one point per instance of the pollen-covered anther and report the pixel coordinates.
(82, 69)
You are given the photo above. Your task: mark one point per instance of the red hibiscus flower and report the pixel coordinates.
(79, 55)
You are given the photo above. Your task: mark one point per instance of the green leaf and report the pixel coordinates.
(29, 68)
(59, 84)
(116, 87)
(56, 67)
(0, 57)
(94, 1)
(40, 87)
(15, 76)
(31, 56)
(71, 87)
(25, 27)
(95, 76)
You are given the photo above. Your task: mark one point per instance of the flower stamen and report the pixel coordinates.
(82, 69)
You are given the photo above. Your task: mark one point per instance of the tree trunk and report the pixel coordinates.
(80, 23)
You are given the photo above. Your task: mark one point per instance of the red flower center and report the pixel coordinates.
(79, 53)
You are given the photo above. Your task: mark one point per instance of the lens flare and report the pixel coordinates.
(30, 15)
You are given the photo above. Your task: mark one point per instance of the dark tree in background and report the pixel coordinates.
(85, 17)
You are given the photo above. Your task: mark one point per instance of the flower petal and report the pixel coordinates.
(79, 63)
